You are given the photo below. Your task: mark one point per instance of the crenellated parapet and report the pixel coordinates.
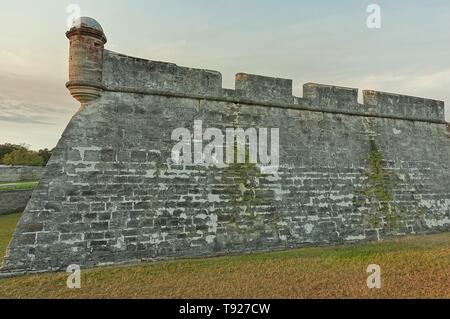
(404, 106)
(128, 73)
(94, 69)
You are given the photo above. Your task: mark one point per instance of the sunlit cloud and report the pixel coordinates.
(28, 112)
(12, 60)
(434, 85)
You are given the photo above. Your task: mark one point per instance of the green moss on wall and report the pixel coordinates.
(379, 190)
(243, 191)
(246, 177)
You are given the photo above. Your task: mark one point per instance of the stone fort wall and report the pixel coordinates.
(20, 173)
(14, 201)
(110, 194)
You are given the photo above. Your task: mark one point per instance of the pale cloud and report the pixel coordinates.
(19, 111)
(439, 80)
(12, 61)
(433, 85)
(436, 81)
(168, 48)
(38, 124)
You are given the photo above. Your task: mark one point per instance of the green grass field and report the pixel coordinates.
(18, 186)
(7, 226)
(413, 267)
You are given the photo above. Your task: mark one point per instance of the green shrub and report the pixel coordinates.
(23, 157)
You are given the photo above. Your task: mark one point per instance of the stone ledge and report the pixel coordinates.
(123, 73)
(297, 103)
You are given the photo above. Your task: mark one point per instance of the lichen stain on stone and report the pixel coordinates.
(245, 183)
(379, 191)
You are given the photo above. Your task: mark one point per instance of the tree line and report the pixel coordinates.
(20, 154)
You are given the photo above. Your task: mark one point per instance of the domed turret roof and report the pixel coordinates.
(87, 22)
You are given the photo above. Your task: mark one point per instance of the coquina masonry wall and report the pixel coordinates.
(348, 172)
(14, 201)
(20, 173)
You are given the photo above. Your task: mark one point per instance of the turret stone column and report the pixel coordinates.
(87, 42)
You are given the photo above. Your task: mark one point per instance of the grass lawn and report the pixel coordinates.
(18, 186)
(415, 267)
(7, 227)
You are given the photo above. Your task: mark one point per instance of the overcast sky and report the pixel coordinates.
(307, 41)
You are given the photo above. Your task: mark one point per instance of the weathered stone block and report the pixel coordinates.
(47, 238)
